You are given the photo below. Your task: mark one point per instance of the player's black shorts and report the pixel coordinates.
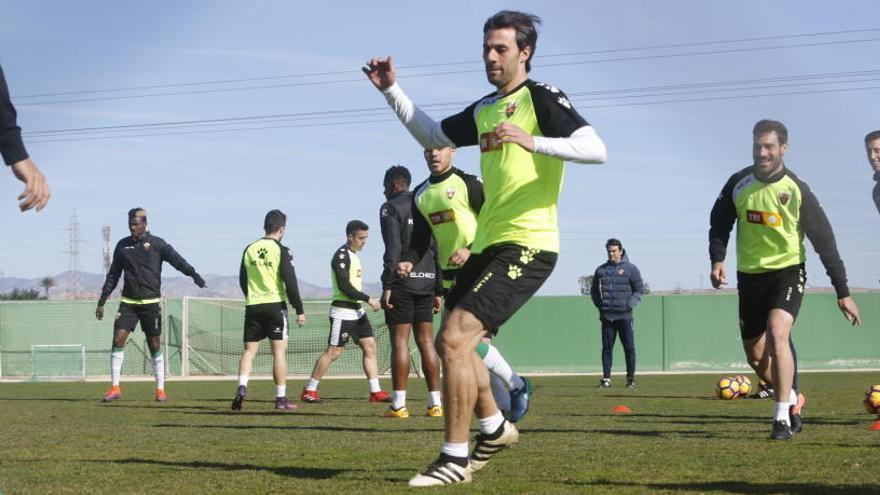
(494, 284)
(342, 329)
(409, 308)
(761, 292)
(149, 316)
(263, 321)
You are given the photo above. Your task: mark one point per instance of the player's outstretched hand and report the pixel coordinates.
(199, 280)
(718, 274)
(380, 71)
(99, 313)
(850, 310)
(36, 189)
(301, 319)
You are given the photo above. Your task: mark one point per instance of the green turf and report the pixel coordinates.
(679, 439)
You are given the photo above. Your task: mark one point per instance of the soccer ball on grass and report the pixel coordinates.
(872, 399)
(727, 388)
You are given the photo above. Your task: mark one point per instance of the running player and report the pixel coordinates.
(525, 130)
(140, 257)
(36, 190)
(773, 209)
(449, 202)
(410, 302)
(268, 278)
(347, 317)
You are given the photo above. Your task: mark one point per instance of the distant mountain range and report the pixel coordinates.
(225, 286)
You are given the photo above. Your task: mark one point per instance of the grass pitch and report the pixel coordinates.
(59, 438)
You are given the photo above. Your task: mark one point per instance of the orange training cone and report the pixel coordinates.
(624, 409)
(875, 426)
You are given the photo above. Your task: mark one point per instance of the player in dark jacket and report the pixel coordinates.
(616, 290)
(140, 256)
(410, 302)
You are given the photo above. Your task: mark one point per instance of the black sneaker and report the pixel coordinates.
(605, 383)
(239, 398)
(794, 414)
(630, 384)
(781, 431)
(765, 391)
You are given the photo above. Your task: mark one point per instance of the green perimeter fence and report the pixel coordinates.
(46, 340)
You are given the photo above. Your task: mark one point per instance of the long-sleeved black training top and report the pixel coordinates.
(141, 260)
(396, 218)
(11, 146)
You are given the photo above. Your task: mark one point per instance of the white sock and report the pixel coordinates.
(159, 371)
(116, 366)
(435, 399)
(498, 366)
(398, 399)
(313, 384)
(782, 412)
(455, 449)
(500, 392)
(281, 390)
(792, 398)
(374, 385)
(243, 380)
(491, 424)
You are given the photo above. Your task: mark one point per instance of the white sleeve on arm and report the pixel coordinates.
(583, 146)
(426, 130)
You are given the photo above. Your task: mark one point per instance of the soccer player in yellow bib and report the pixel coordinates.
(773, 209)
(525, 130)
(268, 279)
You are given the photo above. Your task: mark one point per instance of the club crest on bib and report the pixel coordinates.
(784, 196)
(450, 192)
(511, 108)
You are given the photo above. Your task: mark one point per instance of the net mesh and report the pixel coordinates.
(214, 332)
(58, 362)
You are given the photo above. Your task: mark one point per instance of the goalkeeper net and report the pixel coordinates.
(58, 362)
(211, 333)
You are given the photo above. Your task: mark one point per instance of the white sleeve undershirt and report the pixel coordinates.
(427, 131)
(583, 146)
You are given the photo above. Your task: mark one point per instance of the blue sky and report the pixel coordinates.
(670, 148)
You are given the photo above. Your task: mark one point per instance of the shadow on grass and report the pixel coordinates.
(302, 428)
(734, 486)
(292, 471)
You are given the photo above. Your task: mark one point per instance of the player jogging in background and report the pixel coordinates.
(347, 318)
(525, 130)
(773, 209)
(36, 190)
(448, 203)
(140, 257)
(411, 301)
(268, 279)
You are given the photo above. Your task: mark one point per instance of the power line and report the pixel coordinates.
(425, 74)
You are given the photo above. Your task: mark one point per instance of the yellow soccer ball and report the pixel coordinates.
(727, 388)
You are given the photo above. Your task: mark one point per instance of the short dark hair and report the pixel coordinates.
(614, 242)
(766, 125)
(525, 25)
(355, 226)
(137, 212)
(871, 136)
(397, 172)
(275, 219)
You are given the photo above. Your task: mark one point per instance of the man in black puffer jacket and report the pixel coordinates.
(616, 289)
